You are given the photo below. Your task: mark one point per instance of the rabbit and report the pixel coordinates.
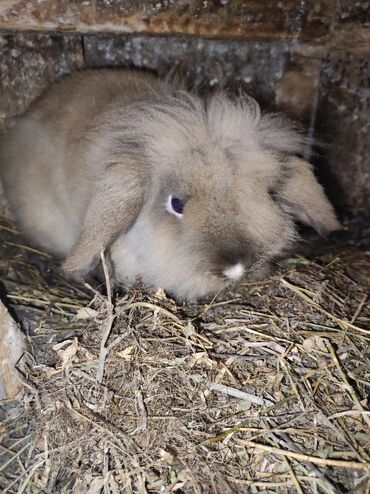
(185, 193)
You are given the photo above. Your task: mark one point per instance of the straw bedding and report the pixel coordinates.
(263, 389)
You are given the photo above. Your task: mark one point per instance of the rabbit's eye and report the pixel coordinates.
(273, 194)
(175, 206)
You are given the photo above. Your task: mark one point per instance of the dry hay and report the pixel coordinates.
(264, 389)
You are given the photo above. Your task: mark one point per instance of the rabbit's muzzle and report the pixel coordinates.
(232, 261)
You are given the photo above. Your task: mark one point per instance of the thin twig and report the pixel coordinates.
(326, 483)
(147, 305)
(15, 455)
(346, 384)
(359, 308)
(341, 322)
(302, 457)
(242, 395)
(142, 420)
(348, 412)
(108, 323)
(294, 477)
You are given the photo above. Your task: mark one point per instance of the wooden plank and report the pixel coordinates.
(12, 347)
(311, 20)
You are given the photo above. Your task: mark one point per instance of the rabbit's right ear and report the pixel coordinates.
(305, 199)
(114, 206)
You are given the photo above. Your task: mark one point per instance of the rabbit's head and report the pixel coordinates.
(196, 194)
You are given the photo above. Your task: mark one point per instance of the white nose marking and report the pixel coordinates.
(235, 272)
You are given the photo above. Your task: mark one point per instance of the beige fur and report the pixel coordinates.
(94, 160)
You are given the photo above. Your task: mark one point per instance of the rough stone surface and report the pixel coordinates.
(29, 63)
(201, 63)
(343, 123)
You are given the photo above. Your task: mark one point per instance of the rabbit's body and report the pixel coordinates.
(46, 174)
(179, 189)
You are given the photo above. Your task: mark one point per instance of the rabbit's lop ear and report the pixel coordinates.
(305, 199)
(113, 209)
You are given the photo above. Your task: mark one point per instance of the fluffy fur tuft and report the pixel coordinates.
(93, 163)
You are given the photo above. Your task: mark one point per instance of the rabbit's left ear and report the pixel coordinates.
(113, 209)
(305, 199)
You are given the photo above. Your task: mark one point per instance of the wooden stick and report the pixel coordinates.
(302, 457)
(104, 350)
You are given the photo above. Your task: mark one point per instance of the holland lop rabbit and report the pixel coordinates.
(185, 193)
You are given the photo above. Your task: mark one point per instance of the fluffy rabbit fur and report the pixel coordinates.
(95, 160)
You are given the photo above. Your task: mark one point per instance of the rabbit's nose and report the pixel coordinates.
(231, 260)
(234, 272)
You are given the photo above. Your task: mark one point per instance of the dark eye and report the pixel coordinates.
(273, 194)
(175, 205)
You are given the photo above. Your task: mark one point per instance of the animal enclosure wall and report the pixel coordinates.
(309, 59)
